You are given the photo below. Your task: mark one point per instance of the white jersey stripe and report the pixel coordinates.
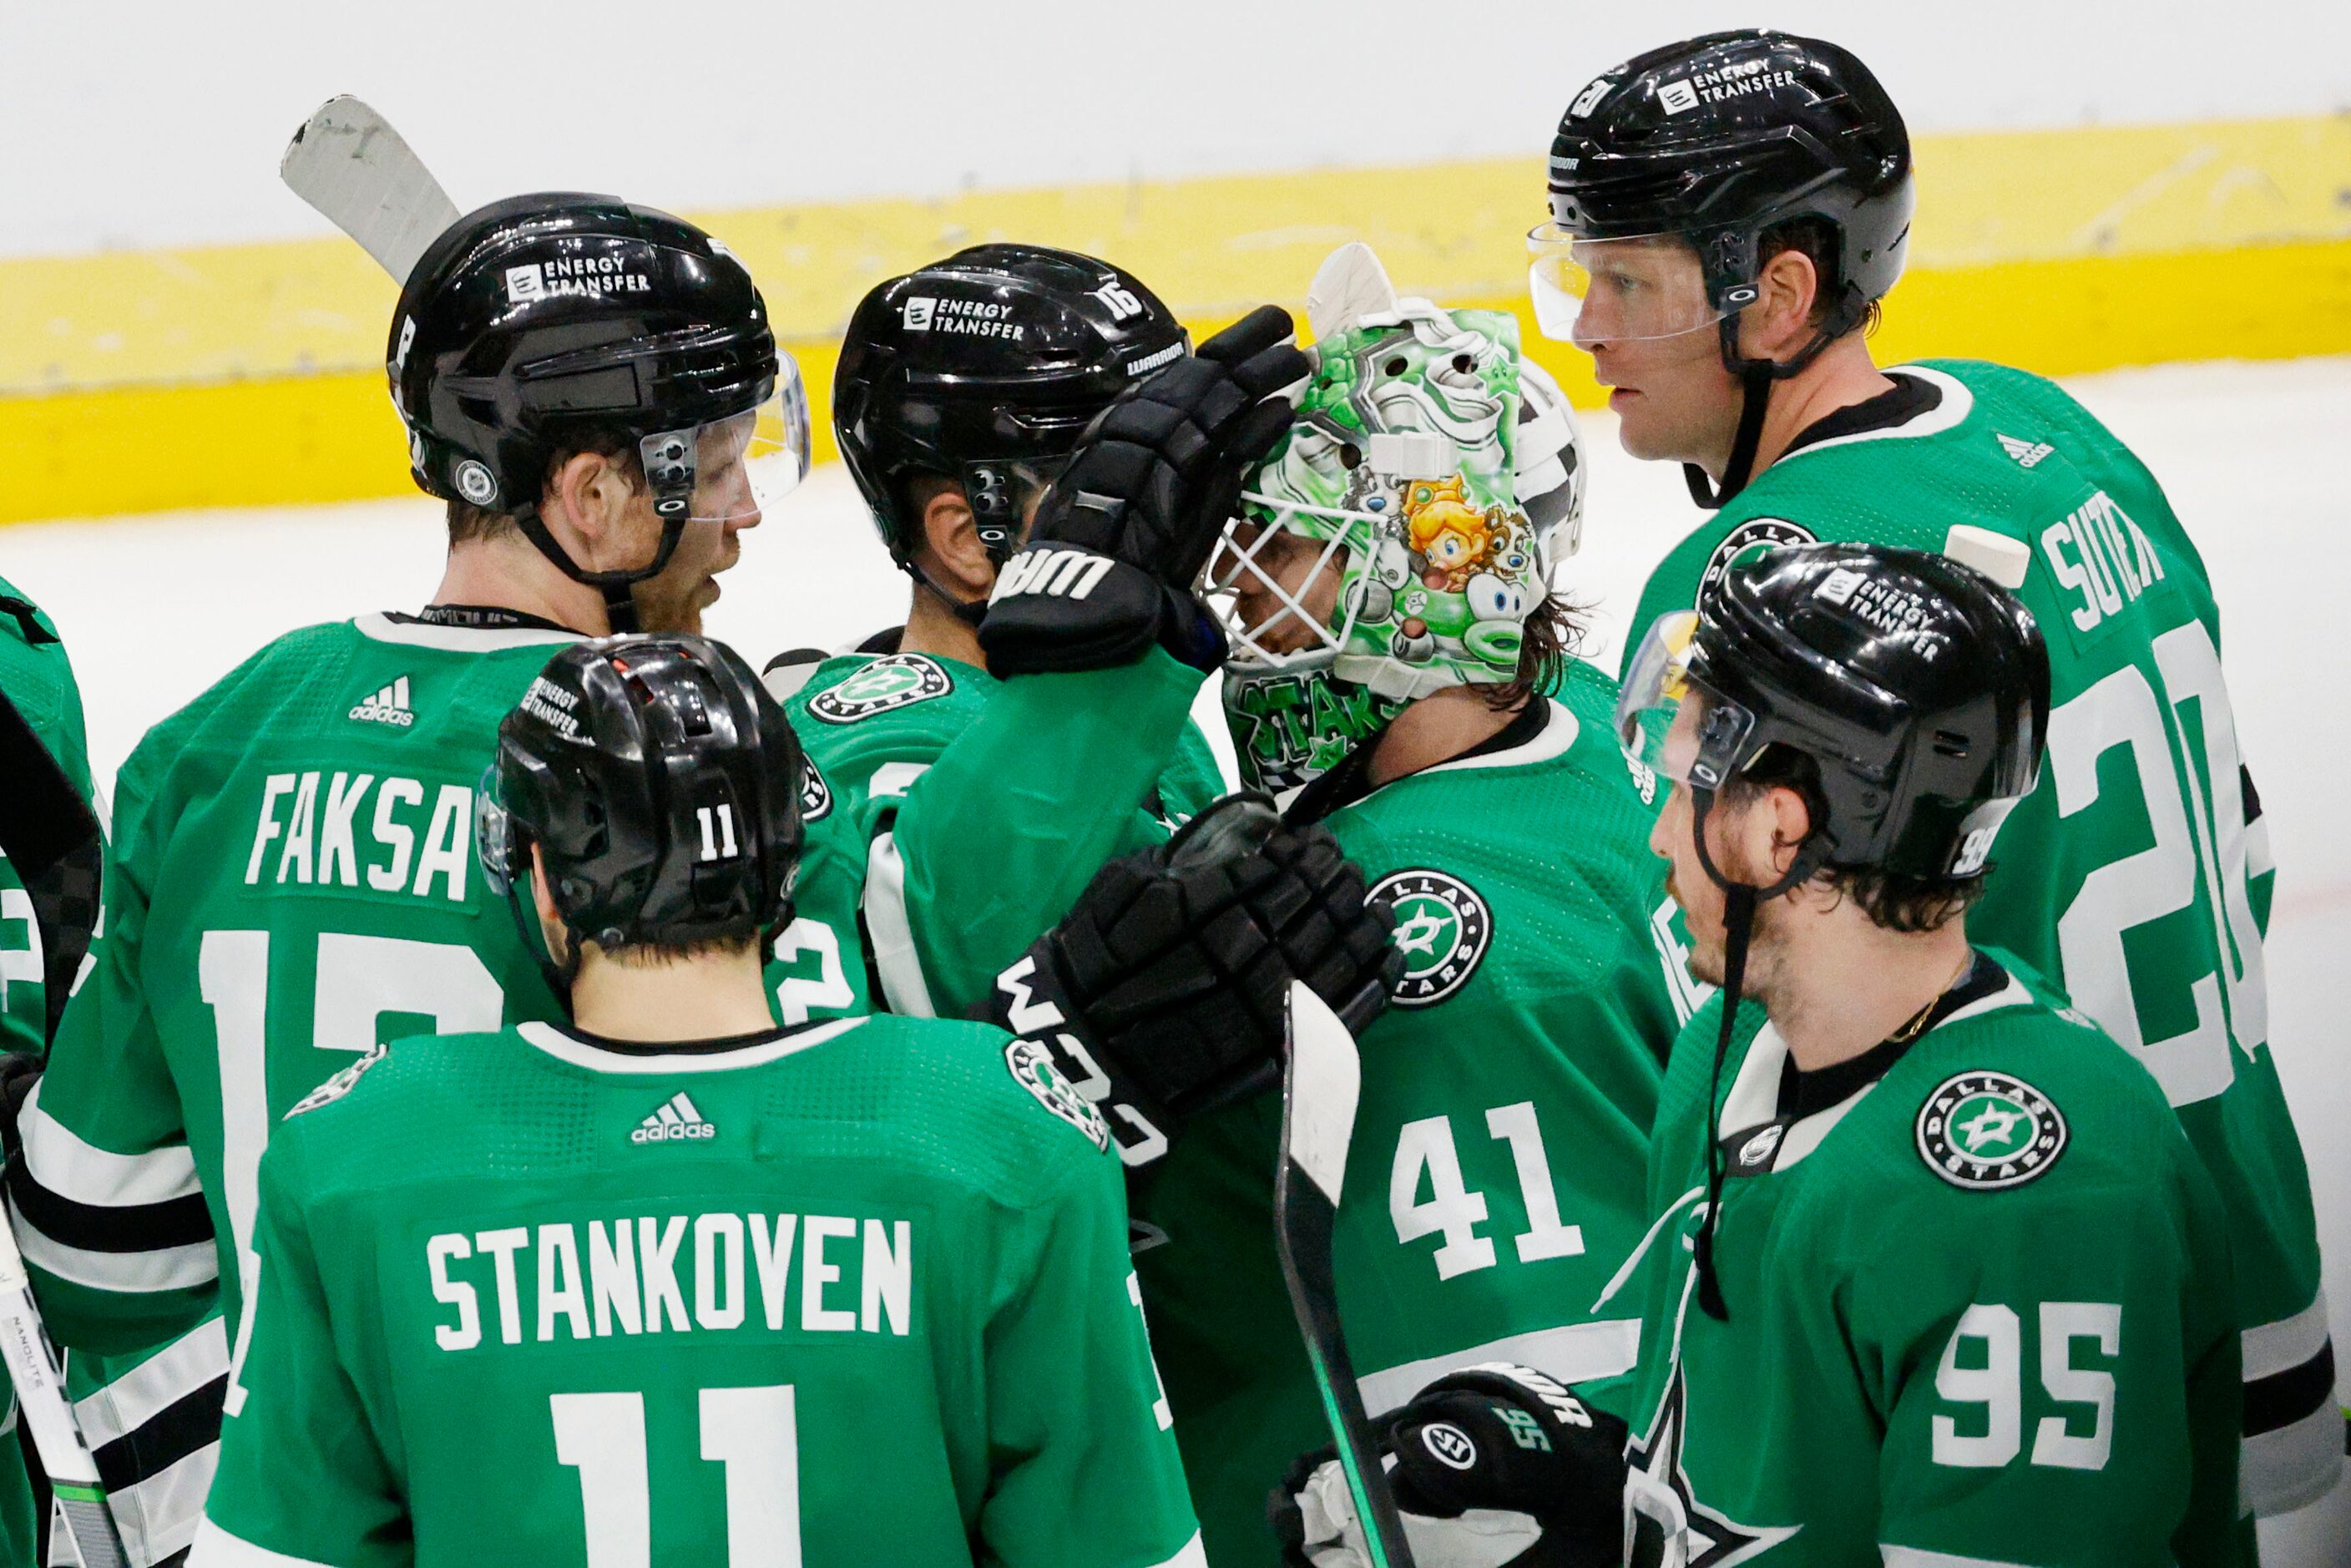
(1192, 1556)
(2293, 1465)
(579, 1054)
(2286, 1344)
(1912, 1557)
(133, 1273)
(155, 1385)
(60, 1162)
(162, 1514)
(216, 1548)
(892, 933)
(1572, 1352)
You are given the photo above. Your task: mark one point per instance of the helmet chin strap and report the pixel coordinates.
(1740, 902)
(1755, 379)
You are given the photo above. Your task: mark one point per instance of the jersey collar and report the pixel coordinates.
(379, 628)
(1958, 403)
(1752, 1107)
(570, 1047)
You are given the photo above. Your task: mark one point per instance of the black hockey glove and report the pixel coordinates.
(20, 1070)
(1162, 993)
(1122, 536)
(1494, 1467)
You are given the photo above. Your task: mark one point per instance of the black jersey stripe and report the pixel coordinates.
(183, 1222)
(187, 1425)
(2285, 1397)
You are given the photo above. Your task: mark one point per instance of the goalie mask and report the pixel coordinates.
(1433, 477)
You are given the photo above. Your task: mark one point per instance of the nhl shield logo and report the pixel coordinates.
(896, 680)
(1443, 928)
(1989, 1131)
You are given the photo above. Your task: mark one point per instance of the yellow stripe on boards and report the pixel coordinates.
(247, 375)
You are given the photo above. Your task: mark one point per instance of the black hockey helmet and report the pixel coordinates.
(1918, 687)
(663, 786)
(985, 368)
(1715, 140)
(542, 318)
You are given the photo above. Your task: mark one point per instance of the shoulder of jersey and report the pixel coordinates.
(1017, 1096)
(393, 1069)
(2030, 1093)
(891, 682)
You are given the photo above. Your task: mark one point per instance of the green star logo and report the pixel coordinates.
(1990, 1130)
(1443, 928)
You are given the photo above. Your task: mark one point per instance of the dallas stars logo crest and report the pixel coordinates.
(895, 680)
(1989, 1131)
(1664, 1508)
(1748, 539)
(816, 796)
(1443, 928)
(1032, 1069)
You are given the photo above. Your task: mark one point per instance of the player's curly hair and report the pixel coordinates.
(1554, 633)
(1893, 901)
(468, 522)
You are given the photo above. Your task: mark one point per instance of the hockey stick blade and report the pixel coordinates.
(1321, 1086)
(32, 1365)
(50, 839)
(349, 163)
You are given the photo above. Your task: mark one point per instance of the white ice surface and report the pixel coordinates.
(155, 609)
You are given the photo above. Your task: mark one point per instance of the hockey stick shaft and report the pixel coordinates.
(1321, 1086)
(32, 1365)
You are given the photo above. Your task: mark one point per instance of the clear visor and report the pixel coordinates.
(740, 466)
(1262, 576)
(1591, 291)
(1668, 721)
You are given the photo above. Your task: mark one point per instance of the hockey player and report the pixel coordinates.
(1933, 1279)
(291, 877)
(1398, 655)
(886, 1259)
(1728, 214)
(963, 388)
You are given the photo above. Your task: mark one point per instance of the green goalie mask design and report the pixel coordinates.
(1437, 474)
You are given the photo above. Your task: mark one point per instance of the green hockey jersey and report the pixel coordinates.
(1979, 1308)
(37, 677)
(975, 810)
(852, 1293)
(2137, 876)
(1496, 1174)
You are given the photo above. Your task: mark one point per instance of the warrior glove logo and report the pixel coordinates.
(1443, 928)
(894, 681)
(1450, 1444)
(1989, 1131)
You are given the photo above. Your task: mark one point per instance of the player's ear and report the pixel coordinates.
(1779, 322)
(586, 506)
(954, 538)
(1788, 822)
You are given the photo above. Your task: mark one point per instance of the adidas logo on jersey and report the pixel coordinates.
(389, 705)
(676, 1121)
(2026, 453)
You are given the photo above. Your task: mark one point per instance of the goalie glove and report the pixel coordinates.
(1493, 1467)
(1123, 532)
(1162, 994)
